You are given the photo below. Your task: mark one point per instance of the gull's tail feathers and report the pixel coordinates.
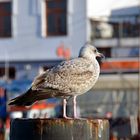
(31, 96)
(25, 99)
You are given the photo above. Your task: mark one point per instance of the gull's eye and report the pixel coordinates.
(95, 51)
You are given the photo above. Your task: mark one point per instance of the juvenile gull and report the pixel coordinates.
(68, 79)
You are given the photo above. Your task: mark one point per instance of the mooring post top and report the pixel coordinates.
(61, 119)
(59, 129)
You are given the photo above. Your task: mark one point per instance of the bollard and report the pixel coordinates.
(59, 129)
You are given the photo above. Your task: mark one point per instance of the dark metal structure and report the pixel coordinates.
(59, 129)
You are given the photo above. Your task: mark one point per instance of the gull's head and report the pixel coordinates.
(90, 52)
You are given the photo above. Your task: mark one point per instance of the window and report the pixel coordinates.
(106, 51)
(56, 23)
(5, 19)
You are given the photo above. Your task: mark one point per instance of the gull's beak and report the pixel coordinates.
(100, 55)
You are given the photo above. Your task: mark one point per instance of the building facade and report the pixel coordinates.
(117, 35)
(33, 32)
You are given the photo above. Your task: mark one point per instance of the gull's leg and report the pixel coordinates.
(75, 107)
(64, 109)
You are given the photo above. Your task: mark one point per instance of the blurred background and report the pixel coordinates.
(37, 34)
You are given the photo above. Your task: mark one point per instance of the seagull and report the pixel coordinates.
(68, 79)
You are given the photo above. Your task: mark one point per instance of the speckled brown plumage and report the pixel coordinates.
(69, 78)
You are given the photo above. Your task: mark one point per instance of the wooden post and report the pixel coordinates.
(59, 129)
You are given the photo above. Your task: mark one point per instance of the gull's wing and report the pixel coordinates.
(65, 77)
